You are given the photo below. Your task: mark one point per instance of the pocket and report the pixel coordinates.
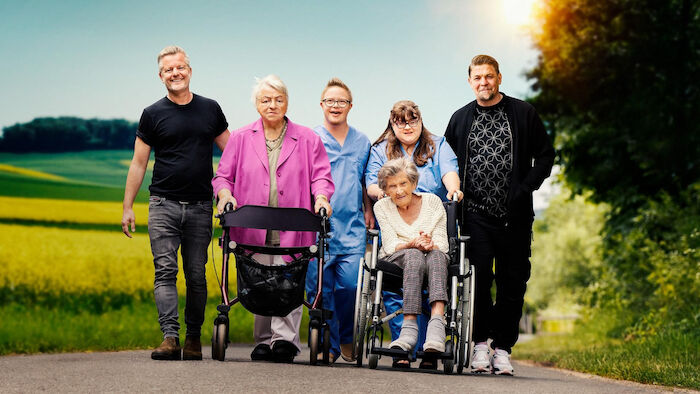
(155, 201)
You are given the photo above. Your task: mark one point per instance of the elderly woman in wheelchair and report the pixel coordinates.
(414, 237)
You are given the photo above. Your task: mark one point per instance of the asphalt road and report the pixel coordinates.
(134, 371)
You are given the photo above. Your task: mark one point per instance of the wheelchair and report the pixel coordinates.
(273, 290)
(374, 276)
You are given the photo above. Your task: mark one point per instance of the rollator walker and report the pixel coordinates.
(273, 290)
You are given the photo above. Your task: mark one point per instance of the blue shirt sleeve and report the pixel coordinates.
(447, 160)
(377, 158)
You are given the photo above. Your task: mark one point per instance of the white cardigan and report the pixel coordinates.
(432, 220)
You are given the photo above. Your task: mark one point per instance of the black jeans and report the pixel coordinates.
(508, 244)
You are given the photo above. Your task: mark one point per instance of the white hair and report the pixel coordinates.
(271, 81)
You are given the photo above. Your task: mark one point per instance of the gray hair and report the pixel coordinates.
(172, 50)
(395, 167)
(270, 81)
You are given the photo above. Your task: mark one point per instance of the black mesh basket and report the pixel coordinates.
(270, 290)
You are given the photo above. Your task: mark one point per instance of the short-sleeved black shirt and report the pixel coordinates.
(182, 137)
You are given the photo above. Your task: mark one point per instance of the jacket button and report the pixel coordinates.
(281, 192)
(279, 174)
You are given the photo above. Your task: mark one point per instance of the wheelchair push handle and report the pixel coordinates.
(323, 213)
(228, 207)
(455, 196)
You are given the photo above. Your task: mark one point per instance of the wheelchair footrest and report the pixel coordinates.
(402, 354)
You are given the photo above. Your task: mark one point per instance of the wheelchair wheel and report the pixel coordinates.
(326, 345)
(218, 342)
(448, 364)
(313, 345)
(467, 323)
(359, 330)
(373, 361)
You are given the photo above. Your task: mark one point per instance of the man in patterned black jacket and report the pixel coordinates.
(504, 154)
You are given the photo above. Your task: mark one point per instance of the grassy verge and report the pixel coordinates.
(33, 329)
(669, 359)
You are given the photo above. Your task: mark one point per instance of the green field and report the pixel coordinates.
(85, 286)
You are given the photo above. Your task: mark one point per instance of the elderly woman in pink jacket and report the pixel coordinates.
(276, 163)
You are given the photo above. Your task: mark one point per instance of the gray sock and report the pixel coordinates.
(436, 330)
(409, 333)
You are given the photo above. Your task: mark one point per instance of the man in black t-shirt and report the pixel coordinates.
(504, 154)
(181, 129)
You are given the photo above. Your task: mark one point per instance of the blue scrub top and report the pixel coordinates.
(430, 174)
(348, 164)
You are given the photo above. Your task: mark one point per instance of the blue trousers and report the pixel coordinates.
(339, 285)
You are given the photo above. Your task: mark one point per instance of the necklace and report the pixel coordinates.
(274, 144)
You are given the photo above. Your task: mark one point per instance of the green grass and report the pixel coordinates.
(669, 359)
(34, 329)
(24, 186)
(105, 168)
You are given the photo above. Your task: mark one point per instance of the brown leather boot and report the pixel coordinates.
(169, 349)
(192, 349)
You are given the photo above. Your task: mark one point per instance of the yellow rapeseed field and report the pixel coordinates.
(51, 210)
(55, 260)
(32, 173)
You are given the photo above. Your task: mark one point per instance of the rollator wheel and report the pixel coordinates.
(373, 361)
(326, 346)
(313, 345)
(448, 364)
(218, 342)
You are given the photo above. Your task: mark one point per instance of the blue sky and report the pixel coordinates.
(98, 58)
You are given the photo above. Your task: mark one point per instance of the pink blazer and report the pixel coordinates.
(303, 171)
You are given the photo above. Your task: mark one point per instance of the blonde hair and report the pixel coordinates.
(336, 82)
(172, 50)
(271, 81)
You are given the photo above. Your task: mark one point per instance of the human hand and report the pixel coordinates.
(369, 219)
(128, 221)
(460, 195)
(322, 202)
(225, 197)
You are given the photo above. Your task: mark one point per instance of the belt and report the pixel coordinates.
(185, 202)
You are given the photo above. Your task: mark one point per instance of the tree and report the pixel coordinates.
(617, 81)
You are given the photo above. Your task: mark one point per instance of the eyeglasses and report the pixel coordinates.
(267, 101)
(400, 123)
(330, 102)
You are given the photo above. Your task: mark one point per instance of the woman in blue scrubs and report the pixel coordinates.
(348, 150)
(405, 135)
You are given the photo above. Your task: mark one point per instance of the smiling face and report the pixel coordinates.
(484, 81)
(175, 73)
(400, 189)
(271, 105)
(334, 114)
(407, 131)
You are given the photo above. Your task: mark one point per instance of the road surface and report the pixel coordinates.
(134, 371)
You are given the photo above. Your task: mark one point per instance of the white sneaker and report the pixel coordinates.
(500, 362)
(480, 358)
